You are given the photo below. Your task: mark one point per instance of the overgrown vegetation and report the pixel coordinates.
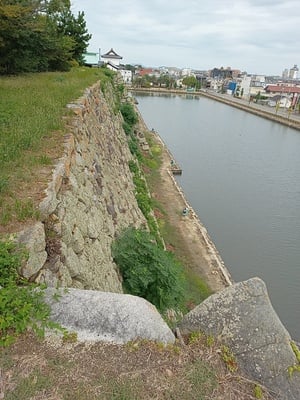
(129, 114)
(144, 200)
(130, 119)
(149, 271)
(142, 193)
(21, 305)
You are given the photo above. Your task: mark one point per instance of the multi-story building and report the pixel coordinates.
(293, 74)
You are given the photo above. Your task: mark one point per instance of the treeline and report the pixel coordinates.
(40, 35)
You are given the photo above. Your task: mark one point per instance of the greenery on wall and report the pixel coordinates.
(144, 200)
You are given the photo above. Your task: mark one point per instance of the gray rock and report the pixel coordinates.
(33, 238)
(72, 262)
(77, 241)
(105, 316)
(242, 317)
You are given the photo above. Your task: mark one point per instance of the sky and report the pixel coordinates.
(257, 36)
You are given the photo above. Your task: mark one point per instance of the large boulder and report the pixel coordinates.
(242, 317)
(105, 316)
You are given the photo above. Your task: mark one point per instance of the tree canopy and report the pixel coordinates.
(191, 81)
(40, 35)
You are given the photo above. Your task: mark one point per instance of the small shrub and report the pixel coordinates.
(107, 72)
(133, 167)
(134, 146)
(195, 337)
(148, 271)
(20, 306)
(69, 337)
(258, 393)
(296, 351)
(210, 340)
(10, 259)
(128, 113)
(127, 128)
(229, 359)
(296, 367)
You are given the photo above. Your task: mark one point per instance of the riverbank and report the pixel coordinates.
(283, 117)
(200, 253)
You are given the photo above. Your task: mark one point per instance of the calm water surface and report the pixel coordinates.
(241, 174)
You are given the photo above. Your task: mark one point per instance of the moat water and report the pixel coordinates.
(241, 174)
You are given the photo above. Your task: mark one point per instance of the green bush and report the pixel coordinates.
(127, 128)
(133, 167)
(134, 146)
(128, 113)
(10, 260)
(21, 306)
(149, 271)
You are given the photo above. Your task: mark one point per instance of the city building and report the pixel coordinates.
(293, 74)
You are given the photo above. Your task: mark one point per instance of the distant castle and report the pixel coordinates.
(111, 59)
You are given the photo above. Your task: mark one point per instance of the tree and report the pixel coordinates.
(18, 32)
(40, 35)
(191, 81)
(75, 28)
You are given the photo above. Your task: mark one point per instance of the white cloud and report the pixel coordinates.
(259, 36)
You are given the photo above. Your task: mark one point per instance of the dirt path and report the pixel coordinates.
(201, 254)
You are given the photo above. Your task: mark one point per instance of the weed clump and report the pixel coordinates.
(149, 271)
(21, 305)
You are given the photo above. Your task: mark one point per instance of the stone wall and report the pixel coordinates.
(89, 200)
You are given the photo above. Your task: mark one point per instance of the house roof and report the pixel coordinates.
(114, 66)
(91, 58)
(145, 71)
(111, 54)
(282, 89)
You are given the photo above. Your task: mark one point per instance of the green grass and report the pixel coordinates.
(32, 108)
(202, 378)
(30, 386)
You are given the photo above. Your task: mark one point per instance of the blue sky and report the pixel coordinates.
(257, 36)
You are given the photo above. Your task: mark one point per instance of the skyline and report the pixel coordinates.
(257, 36)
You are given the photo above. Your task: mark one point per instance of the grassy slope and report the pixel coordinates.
(31, 134)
